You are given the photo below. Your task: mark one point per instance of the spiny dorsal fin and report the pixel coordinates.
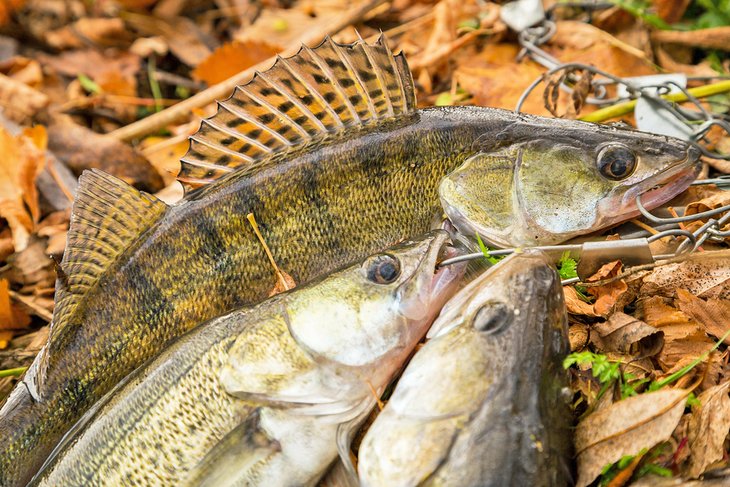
(107, 215)
(316, 92)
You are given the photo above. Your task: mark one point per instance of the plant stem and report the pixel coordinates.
(12, 372)
(627, 107)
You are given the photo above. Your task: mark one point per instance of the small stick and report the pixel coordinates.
(375, 395)
(181, 110)
(280, 277)
(644, 226)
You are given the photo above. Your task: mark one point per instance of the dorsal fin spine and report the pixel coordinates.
(333, 79)
(379, 74)
(240, 135)
(312, 91)
(277, 112)
(302, 101)
(221, 148)
(359, 84)
(293, 99)
(252, 120)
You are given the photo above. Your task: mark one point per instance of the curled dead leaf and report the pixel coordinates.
(626, 334)
(21, 164)
(708, 429)
(625, 428)
(712, 314)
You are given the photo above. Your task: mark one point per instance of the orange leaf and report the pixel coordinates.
(232, 58)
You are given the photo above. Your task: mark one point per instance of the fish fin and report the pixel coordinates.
(235, 458)
(299, 100)
(346, 432)
(107, 215)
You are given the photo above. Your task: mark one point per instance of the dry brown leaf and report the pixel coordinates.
(713, 314)
(708, 428)
(11, 317)
(281, 27)
(81, 149)
(103, 32)
(21, 164)
(626, 334)
(671, 11)
(7, 8)
(607, 295)
(578, 334)
(32, 268)
(705, 274)
(232, 58)
(20, 102)
(97, 66)
(625, 428)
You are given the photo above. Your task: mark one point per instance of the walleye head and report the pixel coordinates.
(377, 309)
(548, 180)
(506, 300)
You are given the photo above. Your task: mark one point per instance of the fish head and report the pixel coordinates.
(549, 180)
(377, 309)
(505, 297)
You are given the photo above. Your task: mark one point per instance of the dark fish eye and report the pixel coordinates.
(616, 162)
(383, 269)
(493, 318)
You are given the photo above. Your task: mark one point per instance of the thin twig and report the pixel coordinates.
(177, 112)
(37, 309)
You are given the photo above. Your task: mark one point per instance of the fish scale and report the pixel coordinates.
(136, 273)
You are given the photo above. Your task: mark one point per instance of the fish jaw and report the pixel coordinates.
(656, 191)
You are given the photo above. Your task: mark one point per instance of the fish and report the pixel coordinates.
(329, 153)
(262, 395)
(485, 402)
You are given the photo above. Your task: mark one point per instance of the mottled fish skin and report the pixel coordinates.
(484, 402)
(319, 205)
(174, 413)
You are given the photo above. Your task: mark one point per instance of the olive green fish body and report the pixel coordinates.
(484, 402)
(328, 153)
(222, 399)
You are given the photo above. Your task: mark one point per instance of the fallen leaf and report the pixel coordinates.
(713, 314)
(103, 32)
(684, 338)
(97, 66)
(671, 11)
(232, 58)
(7, 8)
(708, 428)
(21, 164)
(625, 428)
(20, 102)
(31, 269)
(11, 317)
(578, 336)
(626, 334)
(81, 148)
(281, 27)
(607, 295)
(705, 274)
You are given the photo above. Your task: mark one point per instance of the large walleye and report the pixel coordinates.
(302, 366)
(483, 403)
(329, 153)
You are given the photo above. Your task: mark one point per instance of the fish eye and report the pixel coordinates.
(616, 162)
(382, 269)
(493, 318)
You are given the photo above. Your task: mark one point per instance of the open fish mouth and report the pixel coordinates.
(445, 278)
(678, 178)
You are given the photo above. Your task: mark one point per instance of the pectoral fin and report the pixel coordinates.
(237, 458)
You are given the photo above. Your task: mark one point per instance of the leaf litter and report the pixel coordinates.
(93, 68)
